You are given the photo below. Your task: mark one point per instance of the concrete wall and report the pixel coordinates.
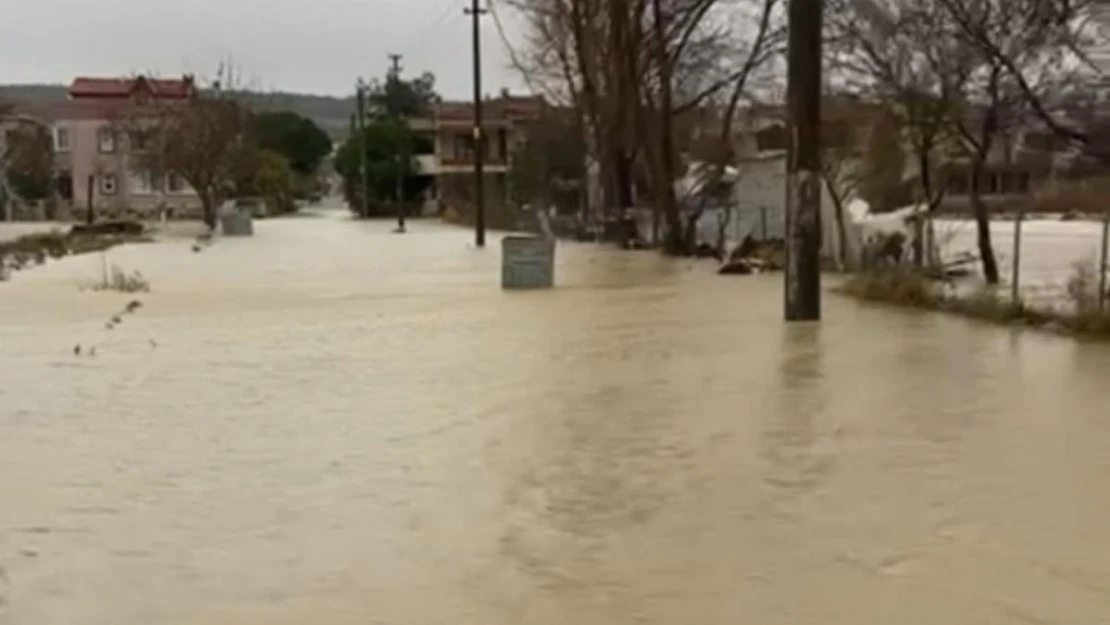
(84, 159)
(760, 194)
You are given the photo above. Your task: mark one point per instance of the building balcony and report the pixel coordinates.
(456, 165)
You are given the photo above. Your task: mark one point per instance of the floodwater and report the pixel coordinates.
(1050, 248)
(335, 425)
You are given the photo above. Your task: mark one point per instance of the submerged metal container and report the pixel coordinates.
(527, 262)
(237, 222)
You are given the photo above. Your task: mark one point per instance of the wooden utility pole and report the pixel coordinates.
(803, 186)
(363, 172)
(476, 11)
(395, 75)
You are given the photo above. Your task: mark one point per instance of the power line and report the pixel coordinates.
(514, 59)
(448, 11)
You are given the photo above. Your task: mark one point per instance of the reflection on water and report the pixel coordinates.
(337, 425)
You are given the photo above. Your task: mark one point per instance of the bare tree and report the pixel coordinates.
(903, 56)
(203, 141)
(963, 71)
(635, 67)
(839, 172)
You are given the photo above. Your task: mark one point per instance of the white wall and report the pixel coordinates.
(761, 190)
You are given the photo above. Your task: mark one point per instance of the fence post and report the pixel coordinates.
(1015, 279)
(919, 241)
(763, 223)
(1102, 295)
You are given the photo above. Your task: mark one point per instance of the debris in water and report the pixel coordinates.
(77, 349)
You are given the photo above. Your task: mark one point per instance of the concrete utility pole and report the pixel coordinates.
(803, 176)
(395, 74)
(360, 98)
(476, 12)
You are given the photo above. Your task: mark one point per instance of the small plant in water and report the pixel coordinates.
(117, 279)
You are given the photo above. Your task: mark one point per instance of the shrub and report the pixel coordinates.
(906, 287)
(124, 282)
(894, 285)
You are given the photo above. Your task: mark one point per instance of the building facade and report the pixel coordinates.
(98, 162)
(448, 134)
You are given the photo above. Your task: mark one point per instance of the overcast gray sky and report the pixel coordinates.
(316, 46)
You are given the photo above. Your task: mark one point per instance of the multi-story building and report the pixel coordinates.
(448, 133)
(97, 161)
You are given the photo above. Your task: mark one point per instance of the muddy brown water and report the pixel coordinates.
(332, 424)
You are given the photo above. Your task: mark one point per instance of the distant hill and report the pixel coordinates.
(332, 114)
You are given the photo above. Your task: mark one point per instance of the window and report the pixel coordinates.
(108, 184)
(106, 138)
(141, 182)
(1024, 182)
(464, 147)
(139, 141)
(61, 139)
(774, 138)
(174, 183)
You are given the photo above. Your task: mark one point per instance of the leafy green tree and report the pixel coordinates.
(389, 154)
(404, 98)
(548, 165)
(297, 138)
(30, 167)
(266, 174)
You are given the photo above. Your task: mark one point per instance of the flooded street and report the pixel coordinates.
(331, 424)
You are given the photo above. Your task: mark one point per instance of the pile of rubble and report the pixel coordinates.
(753, 257)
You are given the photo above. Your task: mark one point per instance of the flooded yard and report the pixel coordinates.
(331, 424)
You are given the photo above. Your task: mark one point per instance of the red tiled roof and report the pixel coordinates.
(89, 87)
(103, 87)
(497, 109)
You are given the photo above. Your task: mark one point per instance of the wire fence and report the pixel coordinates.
(1044, 263)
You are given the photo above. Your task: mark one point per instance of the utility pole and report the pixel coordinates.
(360, 98)
(400, 194)
(803, 186)
(476, 12)
(395, 75)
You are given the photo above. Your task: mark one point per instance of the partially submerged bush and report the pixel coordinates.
(34, 249)
(1091, 314)
(906, 287)
(1082, 288)
(124, 282)
(895, 285)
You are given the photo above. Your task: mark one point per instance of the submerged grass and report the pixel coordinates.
(913, 289)
(34, 249)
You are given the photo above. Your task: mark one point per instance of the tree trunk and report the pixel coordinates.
(983, 227)
(842, 259)
(208, 210)
(677, 239)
